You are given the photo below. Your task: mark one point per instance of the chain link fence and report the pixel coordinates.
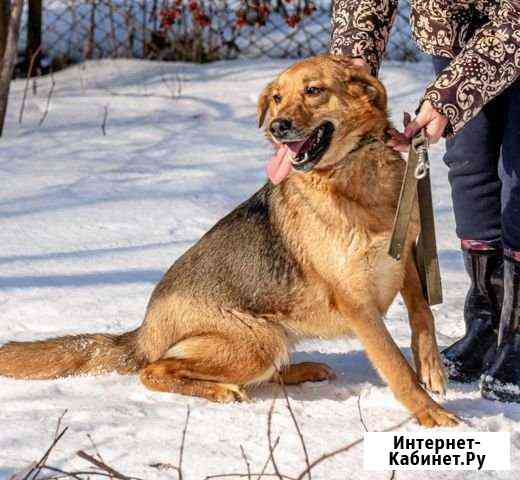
(196, 30)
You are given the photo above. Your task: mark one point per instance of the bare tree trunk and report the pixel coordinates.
(5, 8)
(34, 35)
(9, 58)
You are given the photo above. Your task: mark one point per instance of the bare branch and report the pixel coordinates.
(246, 461)
(361, 419)
(38, 467)
(49, 96)
(269, 359)
(183, 441)
(170, 466)
(58, 424)
(175, 90)
(104, 122)
(243, 475)
(269, 438)
(296, 426)
(344, 449)
(103, 466)
(271, 453)
(27, 80)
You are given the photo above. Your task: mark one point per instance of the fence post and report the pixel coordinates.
(34, 35)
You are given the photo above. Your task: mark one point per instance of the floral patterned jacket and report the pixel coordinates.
(482, 37)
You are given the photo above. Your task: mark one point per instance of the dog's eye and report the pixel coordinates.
(313, 90)
(277, 98)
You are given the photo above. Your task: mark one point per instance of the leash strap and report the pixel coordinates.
(416, 182)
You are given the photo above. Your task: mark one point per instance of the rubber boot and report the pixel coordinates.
(465, 360)
(501, 381)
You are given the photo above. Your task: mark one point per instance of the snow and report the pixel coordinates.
(90, 222)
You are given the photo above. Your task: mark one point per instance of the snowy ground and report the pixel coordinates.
(88, 223)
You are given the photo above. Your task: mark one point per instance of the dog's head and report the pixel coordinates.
(320, 107)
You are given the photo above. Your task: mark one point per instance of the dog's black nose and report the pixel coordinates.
(280, 126)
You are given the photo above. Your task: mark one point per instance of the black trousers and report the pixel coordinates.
(484, 170)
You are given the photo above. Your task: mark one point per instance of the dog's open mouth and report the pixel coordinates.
(308, 152)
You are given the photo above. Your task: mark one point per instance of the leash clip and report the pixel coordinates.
(420, 147)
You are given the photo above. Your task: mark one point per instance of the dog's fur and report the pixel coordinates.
(306, 258)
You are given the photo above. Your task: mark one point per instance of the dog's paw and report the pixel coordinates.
(227, 393)
(436, 416)
(307, 372)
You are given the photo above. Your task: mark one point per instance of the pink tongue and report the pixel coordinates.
(280, 165)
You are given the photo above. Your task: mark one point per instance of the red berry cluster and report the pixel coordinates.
(256, 12)
(294, 19)
(170, 15)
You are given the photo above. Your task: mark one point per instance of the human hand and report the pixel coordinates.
(428, 118)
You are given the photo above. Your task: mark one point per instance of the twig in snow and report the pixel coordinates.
(169, 466)
(361, 419)
(246, 461)
(39, 465)
(49, 96)
(183, 441)
(96, 450)
(104, 122)
(243, 475)
(27, 80)
(284, 391)
(58, 424)
(94, 447)
(174, 92)
(64, 474)
(104, 466)
(296, 426)
(344, 449)
(271, 453)
(269, 438)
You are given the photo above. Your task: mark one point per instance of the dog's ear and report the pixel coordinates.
(371, 85)
(376, 92)
(263, 103)
(374, 89)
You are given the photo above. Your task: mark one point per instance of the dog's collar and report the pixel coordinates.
(363, 142)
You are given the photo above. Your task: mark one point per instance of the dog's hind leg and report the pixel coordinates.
(217, 366)
(424, 344)
(171, 375)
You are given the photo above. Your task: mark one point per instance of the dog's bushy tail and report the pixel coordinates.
(92, 354)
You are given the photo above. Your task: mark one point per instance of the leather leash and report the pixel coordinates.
(416, 183)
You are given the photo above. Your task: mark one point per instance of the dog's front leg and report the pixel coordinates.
(367, 324)
(424, 344)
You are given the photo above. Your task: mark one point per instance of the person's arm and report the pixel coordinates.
(489, 63)
(360, 29)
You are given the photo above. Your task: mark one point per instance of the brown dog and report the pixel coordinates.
(305, 258)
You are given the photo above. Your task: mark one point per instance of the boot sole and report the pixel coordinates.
(493, 389)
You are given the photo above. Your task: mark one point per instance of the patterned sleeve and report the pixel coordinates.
(360, 28)
(488, 64)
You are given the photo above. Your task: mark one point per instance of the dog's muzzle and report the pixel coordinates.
(310, 151)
